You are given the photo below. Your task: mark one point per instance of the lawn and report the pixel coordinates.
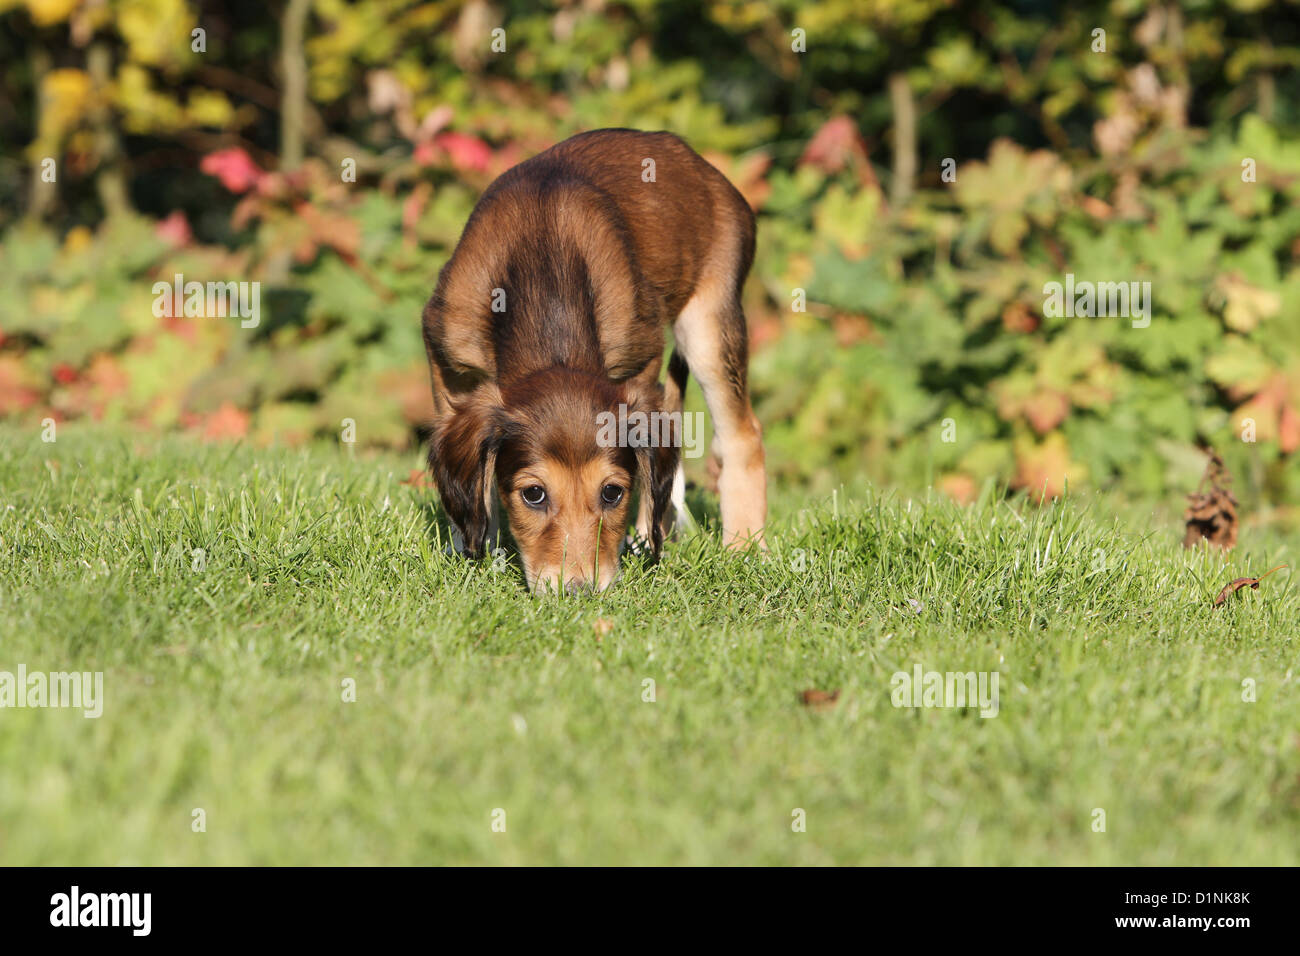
(225, 673)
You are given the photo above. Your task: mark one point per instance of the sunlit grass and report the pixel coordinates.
(227, 593)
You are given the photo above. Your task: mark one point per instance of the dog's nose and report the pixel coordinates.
(577, 587)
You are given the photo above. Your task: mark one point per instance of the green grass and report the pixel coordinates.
(1120, 688)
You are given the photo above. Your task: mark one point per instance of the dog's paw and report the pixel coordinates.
(637, 546)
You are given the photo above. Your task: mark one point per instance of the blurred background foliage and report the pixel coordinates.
(891, 307)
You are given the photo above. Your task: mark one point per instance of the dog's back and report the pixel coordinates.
(579, 256)
(549, 319)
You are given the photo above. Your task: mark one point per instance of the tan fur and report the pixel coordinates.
(590, 263)
(579, 541)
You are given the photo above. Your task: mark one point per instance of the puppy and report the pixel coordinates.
(550, 312)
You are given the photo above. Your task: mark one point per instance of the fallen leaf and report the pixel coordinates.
(820, 699)
(1212, 516)
(1235, 585)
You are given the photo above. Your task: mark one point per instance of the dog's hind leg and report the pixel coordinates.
(711, 336)
(674, 392)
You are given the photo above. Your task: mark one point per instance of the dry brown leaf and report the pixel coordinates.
(1212, 516)
(820, 699)
(1235, 585)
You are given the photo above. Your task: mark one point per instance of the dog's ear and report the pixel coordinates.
(656, 466)
(462, 457)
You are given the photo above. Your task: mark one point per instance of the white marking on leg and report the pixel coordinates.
(683, 518)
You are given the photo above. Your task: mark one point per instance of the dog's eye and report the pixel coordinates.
(611, 495)
(534, 496)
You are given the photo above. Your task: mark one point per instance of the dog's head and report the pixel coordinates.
(565, 475)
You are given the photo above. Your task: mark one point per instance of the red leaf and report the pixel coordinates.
(466, 152)
(425, 154)
(326, 228)
(16, 391)
(1288, 429)
(187, 329)
(175, 229)
(234, 168)
(832, 146)
(413, 208)
(228, 421)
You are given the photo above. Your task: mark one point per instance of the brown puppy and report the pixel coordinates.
(551, 312)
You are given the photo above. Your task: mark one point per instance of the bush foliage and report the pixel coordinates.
(921, 169)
